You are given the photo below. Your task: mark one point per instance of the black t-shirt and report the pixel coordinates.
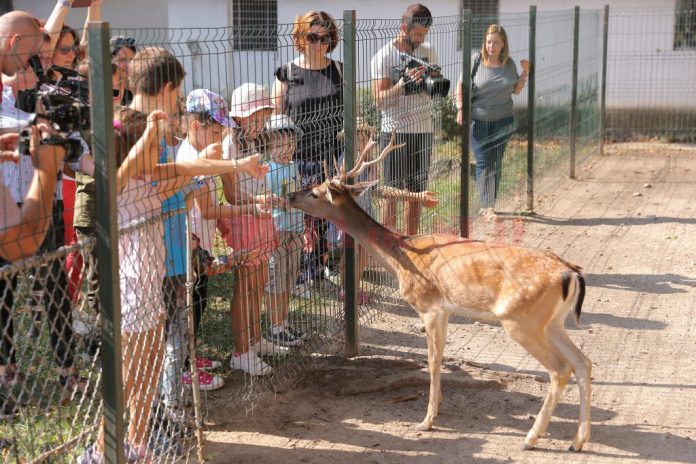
(314, 101)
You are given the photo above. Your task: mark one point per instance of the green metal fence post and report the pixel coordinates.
(350, 98)
(101, 95)
(465, 34)
(531, 123)
(603, 94)
(574, 92)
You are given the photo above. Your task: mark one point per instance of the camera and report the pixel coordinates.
(66, 108)
(432, 82)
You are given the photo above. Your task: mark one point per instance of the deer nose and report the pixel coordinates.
(291, 197)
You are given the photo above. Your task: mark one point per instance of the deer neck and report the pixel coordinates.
(383, 244)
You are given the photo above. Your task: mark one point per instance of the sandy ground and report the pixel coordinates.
(629, 221)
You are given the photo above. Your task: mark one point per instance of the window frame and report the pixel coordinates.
(684, 25)
(255, 25)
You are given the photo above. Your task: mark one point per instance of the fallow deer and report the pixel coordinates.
(528, 291)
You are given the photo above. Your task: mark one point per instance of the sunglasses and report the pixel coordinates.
(66, 50)
(315, 38)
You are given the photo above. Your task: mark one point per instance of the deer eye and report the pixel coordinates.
(312, 194)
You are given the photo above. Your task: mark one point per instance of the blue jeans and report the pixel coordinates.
(488, 141)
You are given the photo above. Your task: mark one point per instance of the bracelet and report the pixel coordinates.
(64, 3)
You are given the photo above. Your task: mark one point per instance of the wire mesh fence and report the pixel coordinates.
(225, 292)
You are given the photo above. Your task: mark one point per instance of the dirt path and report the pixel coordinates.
(629, 221)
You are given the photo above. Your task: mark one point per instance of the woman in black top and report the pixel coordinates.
(309, 89)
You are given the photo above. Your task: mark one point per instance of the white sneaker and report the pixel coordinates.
(250, 363)
(266, 348)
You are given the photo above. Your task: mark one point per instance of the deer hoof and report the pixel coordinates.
(424, 426)
(577, 447)
(531, 440)
(582, 437)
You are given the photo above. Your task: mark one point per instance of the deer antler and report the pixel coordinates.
(361, 164)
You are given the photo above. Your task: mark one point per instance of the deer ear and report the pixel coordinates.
(359, 188)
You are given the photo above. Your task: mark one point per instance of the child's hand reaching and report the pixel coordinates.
(259, 210)
(251, 166)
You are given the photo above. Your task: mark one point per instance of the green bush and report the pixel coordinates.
(367, 108)
(444, 111)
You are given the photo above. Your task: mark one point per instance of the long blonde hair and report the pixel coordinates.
(505, 53)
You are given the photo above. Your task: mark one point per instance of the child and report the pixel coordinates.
(207, 117)
(251, 108)
(283, 179)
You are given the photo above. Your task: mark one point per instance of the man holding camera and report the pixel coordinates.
(398, 85)
(24, 221)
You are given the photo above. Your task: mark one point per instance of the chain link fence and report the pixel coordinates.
(225, 294)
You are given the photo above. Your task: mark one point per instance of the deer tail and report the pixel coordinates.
(575, 272)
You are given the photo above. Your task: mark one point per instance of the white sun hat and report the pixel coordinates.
(249, 98)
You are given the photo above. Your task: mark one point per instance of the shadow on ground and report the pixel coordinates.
(345, 402)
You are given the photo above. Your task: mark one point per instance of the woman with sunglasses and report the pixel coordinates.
(123, 50)
(309, 90)
(67, 53)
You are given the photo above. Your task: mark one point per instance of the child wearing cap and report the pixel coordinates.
(251, 107)
(207, 115)
(282, 179)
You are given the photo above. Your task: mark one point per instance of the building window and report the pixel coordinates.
(255, 25)
(685, 25)
(483, 14)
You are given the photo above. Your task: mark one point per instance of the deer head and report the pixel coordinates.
(330, 199)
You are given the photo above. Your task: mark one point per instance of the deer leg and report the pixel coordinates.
(582, 369)
(538, 345)
(433, 331)
(441, 354)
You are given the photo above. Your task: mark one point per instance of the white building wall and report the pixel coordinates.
(200, 37)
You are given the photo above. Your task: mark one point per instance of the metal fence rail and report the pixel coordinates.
(221, 303)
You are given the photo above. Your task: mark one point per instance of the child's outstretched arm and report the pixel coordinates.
(211, 165)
